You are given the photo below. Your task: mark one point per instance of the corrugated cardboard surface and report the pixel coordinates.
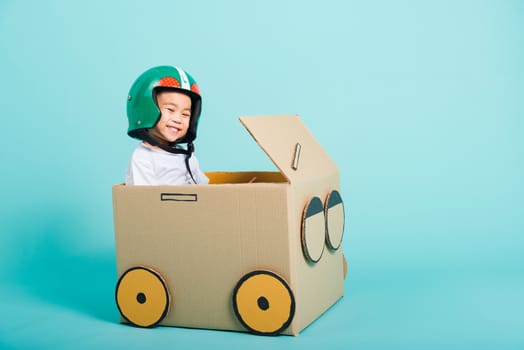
(202, 248)
(278, 136)
(203, 238)
(317, 285)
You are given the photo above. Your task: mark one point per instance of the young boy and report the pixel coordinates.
(163, 108)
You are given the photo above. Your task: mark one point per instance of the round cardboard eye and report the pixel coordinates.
(142, 297)
(313, 230)
(263, 302)
(334, 220)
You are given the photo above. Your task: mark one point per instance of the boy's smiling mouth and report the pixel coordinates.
(174, 129)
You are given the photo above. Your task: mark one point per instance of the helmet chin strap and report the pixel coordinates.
(172, 148)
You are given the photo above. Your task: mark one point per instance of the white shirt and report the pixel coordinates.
(157, 167)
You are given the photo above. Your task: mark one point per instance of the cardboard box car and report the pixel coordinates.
(263, 256)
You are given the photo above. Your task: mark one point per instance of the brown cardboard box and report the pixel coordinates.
(262, 256)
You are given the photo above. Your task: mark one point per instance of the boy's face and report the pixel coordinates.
(175, 114)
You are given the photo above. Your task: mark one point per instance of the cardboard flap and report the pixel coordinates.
(291, 146)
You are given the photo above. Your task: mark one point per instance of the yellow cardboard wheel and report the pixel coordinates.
(142, 297)
(263, 302)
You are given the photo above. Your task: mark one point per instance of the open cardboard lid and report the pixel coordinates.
(291, 146)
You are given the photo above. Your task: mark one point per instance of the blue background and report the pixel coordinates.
(420, 103)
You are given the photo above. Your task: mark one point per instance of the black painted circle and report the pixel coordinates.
(263, 303)
(141, 298)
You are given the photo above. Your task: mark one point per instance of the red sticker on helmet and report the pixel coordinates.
(169, 82)
(195, 89)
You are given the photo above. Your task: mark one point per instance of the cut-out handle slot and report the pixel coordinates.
(179, 197)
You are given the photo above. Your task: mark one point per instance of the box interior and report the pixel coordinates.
(246, 177)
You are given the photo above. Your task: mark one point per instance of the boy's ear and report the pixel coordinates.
(154, 96)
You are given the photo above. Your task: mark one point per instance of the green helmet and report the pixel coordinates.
(142, 110)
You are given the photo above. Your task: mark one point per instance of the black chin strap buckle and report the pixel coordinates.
(190, 148)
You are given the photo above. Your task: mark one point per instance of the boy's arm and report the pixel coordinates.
(200, 177)
(140, 172)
